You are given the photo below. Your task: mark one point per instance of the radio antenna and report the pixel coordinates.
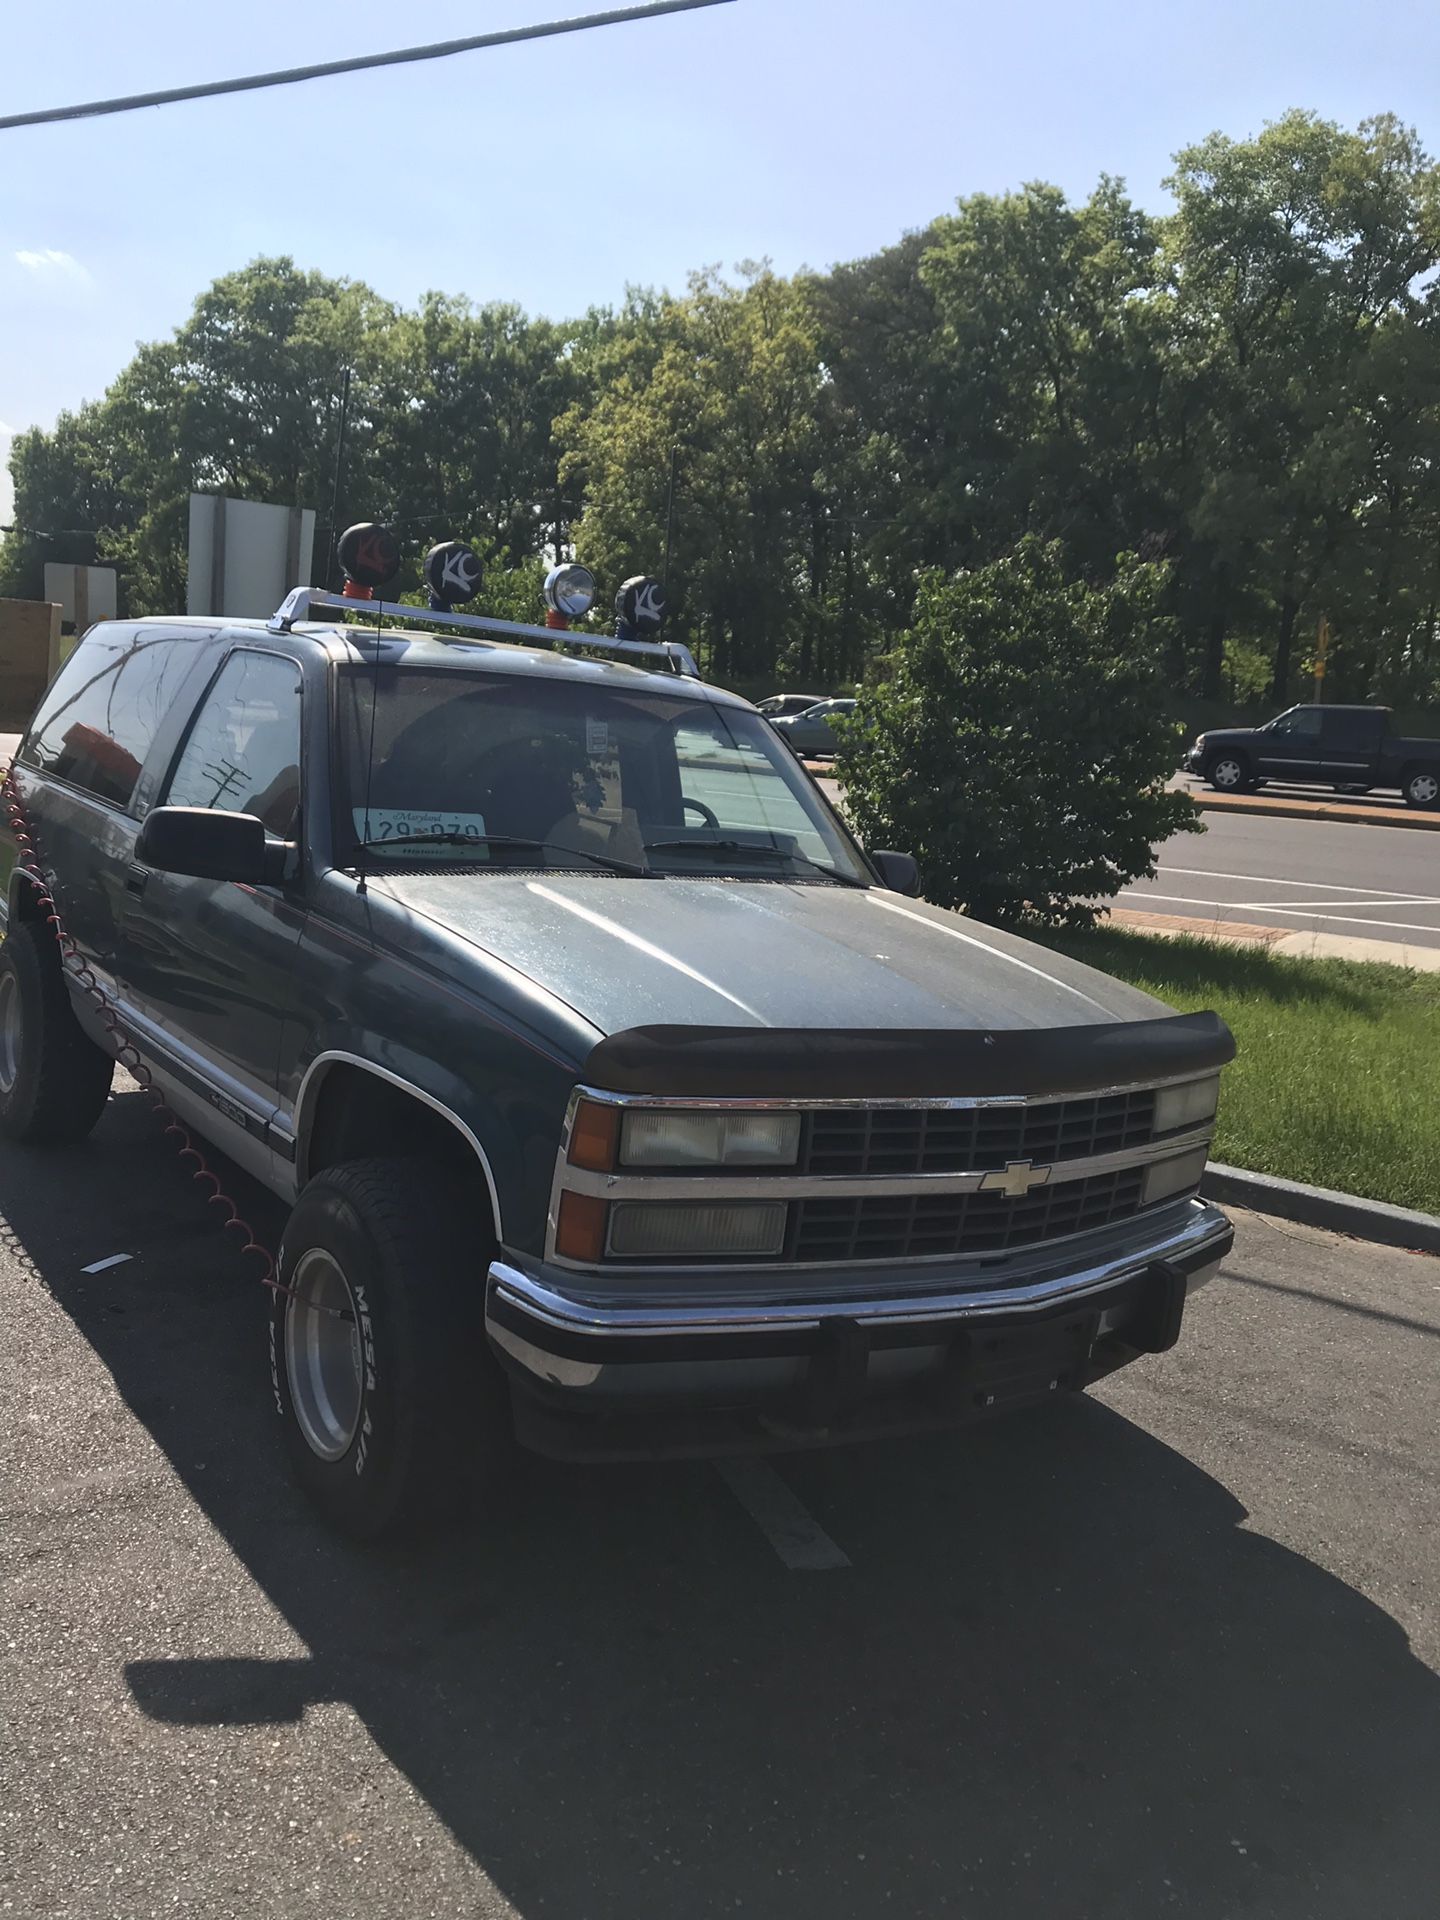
(369, 557)
(360, 886)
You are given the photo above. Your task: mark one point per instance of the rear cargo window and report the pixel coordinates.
(98, 721)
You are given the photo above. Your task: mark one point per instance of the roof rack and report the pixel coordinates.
(300, 605)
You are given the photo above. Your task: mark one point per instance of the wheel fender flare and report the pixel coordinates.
(308, 1098)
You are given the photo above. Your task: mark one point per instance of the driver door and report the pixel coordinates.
(1289, 748)
(210, 963)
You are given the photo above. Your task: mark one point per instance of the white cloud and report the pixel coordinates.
(52, 263)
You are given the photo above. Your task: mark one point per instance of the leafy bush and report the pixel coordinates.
(1246, 671)
(1020, 747)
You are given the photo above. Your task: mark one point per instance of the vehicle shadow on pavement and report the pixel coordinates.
(1059, 1677)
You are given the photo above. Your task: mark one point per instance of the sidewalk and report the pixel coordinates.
(1294, 946)
(1373, 813)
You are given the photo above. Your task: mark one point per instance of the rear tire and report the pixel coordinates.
(394, 1407)
(1422, 788)
(54, 1080)
(1229, 772)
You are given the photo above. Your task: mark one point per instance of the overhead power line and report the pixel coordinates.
(405, 56)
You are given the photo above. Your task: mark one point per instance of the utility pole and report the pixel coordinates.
(339, 473)
(670, 516)
(1322, 647)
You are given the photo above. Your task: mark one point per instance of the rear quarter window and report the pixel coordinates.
(99, 719)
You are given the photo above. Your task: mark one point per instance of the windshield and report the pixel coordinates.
(506, 770)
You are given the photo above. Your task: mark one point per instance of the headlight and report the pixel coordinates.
(666, 1229)
(569, 590)
(672, 1137)
(1187, 1105)
(1173, 1176)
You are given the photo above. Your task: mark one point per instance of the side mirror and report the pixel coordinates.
(898, 871)
(211, 846)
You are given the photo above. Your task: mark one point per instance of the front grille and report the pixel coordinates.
(910, 1226)
(900, 1140)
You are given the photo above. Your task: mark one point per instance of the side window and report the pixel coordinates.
(738, 782)
(1353, 732)
(99, 719)
(242, 753)
(1301, 723)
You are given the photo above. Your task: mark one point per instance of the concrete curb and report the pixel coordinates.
(1285, 943)
(1308, 810)
(1320, 1207)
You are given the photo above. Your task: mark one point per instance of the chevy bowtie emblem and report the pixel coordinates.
(1017, 1179)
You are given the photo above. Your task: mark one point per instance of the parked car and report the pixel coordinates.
(624, 1104)
(780, 706)
(809, 734)
(1349, 748)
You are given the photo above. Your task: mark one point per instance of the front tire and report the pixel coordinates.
(54, 1080)
(393, 1405)
(1228, 773)
(1422, 788)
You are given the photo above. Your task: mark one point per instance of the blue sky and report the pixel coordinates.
(808, 130)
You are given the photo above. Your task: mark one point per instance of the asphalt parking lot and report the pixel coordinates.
(1169, 1649)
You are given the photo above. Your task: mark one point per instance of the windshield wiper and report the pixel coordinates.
(452, 839)
(763, 852)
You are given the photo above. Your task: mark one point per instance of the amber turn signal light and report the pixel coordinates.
(580, 1229)
(595, 1136)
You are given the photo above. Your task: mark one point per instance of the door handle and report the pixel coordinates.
(137, 879)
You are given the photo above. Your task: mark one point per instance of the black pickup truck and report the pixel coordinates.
(625, 1104)
(1349, 748)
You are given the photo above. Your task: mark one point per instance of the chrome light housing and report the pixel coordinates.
(1190, 1104)
(713, 1230)
(677, 1137)
(570, 590)
(1166, 1177)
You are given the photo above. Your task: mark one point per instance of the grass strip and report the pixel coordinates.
(1337, 1077)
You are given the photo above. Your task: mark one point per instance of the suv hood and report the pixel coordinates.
(760, 954)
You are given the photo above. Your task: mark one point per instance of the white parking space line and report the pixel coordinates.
(796, 1535)
(100, 1266)
(1265, 880)
(1222, 907)
(1301, 906)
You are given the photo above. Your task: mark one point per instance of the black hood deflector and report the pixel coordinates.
(895, 1064)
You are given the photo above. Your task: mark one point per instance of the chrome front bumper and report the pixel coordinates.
(902, 1323)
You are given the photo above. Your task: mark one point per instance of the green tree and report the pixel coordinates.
(729, 380)
(464, 399)
(1020, 747)
(65, 499)
(1294, 264)
(242, 399)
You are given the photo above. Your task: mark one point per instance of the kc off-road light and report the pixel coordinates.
(369, 557)
(672, 1137)
(640, 606)
(452, 573)
(1173, 1176)
(570, 591)
(1188, 1105)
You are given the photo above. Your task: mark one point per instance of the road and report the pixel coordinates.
(1374, 883)
(1171, 1649)
(1360, 882)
